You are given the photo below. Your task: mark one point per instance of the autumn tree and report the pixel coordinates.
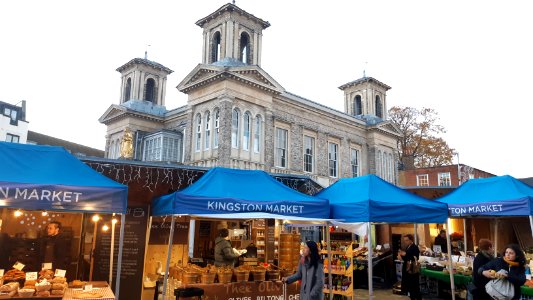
(420, 145)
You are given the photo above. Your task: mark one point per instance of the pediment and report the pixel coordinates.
(251, 75)
(112, 112)
(389, 127)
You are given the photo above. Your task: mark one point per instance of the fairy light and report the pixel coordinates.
(44, 213)
(96, 218)
(105, 228)
(18, 213)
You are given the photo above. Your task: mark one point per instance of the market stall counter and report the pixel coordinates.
(248, 290)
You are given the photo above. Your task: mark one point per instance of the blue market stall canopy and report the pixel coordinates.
(223, 191)
(49, 178)
(493, 196)
(371, 199)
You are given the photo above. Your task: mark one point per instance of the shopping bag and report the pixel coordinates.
(500, 289)
(413, 266)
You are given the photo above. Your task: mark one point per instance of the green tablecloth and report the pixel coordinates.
(439, 275)
(527, 291)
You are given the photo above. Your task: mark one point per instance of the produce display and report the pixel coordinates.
(45, 285)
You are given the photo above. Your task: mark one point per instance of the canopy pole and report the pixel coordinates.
(369, 257)
(416, 236)
(464, 231)
(495, 237)
(119, 259)
(450, 263)
(112, 252)
(169, 254)
(531, 224)
(330, 279)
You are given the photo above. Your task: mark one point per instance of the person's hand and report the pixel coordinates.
(284, 279)
(243, 251)
(489, 274)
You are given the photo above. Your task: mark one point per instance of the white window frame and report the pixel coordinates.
(422, 176)
(235, 128)
(445, 179)
(162, 146)
(10, 138)
(311, 155)
(281, 148)
(198, 140)
(355, 161)
(246, 129)
(217, 129)
(333, 160)
(257, 134)
(207, 128)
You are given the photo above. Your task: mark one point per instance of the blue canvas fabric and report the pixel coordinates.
(223, 191)
(49, 178)
(372, 199)
(493, 196)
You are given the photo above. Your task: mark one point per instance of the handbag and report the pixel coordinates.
(413, 266)
(500, 289)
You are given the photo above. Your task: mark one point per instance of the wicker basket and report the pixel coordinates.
(189, 278)
(272, 275)
(208, 277)
(241, 275)
(224, 277)
(259, 275)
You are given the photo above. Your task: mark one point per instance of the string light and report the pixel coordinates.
(96, 218)
(18, 213)
(105, 228)
(44, 213)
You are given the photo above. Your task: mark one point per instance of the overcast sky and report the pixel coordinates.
(472, 61)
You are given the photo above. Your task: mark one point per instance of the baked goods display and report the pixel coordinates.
(14, 275)
(88, 295)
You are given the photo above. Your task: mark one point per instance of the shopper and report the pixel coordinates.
(54, 248)
(310, 272)
(411, 254)
(5, 250)
(440, 240)
(513, 263)
(225, 254)
(484, 256)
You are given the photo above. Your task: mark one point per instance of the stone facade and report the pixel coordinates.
(237, 115)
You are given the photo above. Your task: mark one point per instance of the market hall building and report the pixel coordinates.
(238, 116)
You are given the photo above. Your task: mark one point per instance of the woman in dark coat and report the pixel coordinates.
(513, 262)
(484, 256)
(410, 282)
(311, 273)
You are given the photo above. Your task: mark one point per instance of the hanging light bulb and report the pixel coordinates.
(105, 228)
(44, 213)
(18, 213)
(96, 218)
(114, 221)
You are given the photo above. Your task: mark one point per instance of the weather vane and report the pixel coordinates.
(364, 69)
(233, 2)
(146, 52)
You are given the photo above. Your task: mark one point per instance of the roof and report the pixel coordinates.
(362, 80)
(142, 61)
(76, 149)
(231, 8)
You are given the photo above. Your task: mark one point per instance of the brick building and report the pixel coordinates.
(443, 176)
(238, 116)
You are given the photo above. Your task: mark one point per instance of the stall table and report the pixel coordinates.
(247, 290)
(107, 293)
(526, 290)
(441, 276)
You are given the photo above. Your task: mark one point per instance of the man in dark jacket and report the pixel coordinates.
(440, 240)
(54, 248)
(484, 256)
(225, 254)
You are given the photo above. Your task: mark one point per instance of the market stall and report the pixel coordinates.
(49, 179)
(370, 199)
(229, 194)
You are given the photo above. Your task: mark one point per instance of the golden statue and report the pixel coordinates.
(126, 145)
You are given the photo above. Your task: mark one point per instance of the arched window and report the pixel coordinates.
(149, 90)
(198, 131)
(378, 164)
(111, 153)
(245, 56)
(207, 131)
(215, 47)
(379, 107)
(217, 126)
(246, 131)
(257, 134)
(391, 169)
(235, 128)
(357, 106)
(117, 148)
(127, 90)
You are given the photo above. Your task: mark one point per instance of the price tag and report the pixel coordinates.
(88, 288)
(19, 266)
(1, 272)
(31, 276)
(60, 273)
(47, 266)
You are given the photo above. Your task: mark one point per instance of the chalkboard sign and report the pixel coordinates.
(270, 240)
(205, 229)
(160, 232)
(132, 252)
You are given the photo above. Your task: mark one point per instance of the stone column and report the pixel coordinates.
(255, 50)
(269, 136)
(224, 137)
(188, 138)
(205, 47)
(296, 144)
(322, 154)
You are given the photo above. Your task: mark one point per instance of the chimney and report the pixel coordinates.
(23, 105)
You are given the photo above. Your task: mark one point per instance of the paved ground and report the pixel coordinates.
(382, 294)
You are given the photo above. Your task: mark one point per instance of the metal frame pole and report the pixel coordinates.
(119, 259)
(330, 278)
(370, 265)
(450, 263)
(169, 254)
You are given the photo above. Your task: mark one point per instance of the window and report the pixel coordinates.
(217, 126)
(379, 107)
(127, 90)
(378, 164)
(358, 106)
(235, 128)
(309, 152)
(111, 153)
(333, 159)
(354, 162)
(246, 132)
(149, 90)
(445, 179)
(12, 114)
(257, 134)
(207, 131)
(281, 148)
(391, 168)
(162, 147)
(422, 180)
(245, 48)
(198, 133)
(11, 138)
(215, 47)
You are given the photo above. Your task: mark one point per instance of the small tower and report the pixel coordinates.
(365, 96)
(231, 33)
(143, 79)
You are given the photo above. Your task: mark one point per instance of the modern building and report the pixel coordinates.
(239, 116)
(13, 124)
